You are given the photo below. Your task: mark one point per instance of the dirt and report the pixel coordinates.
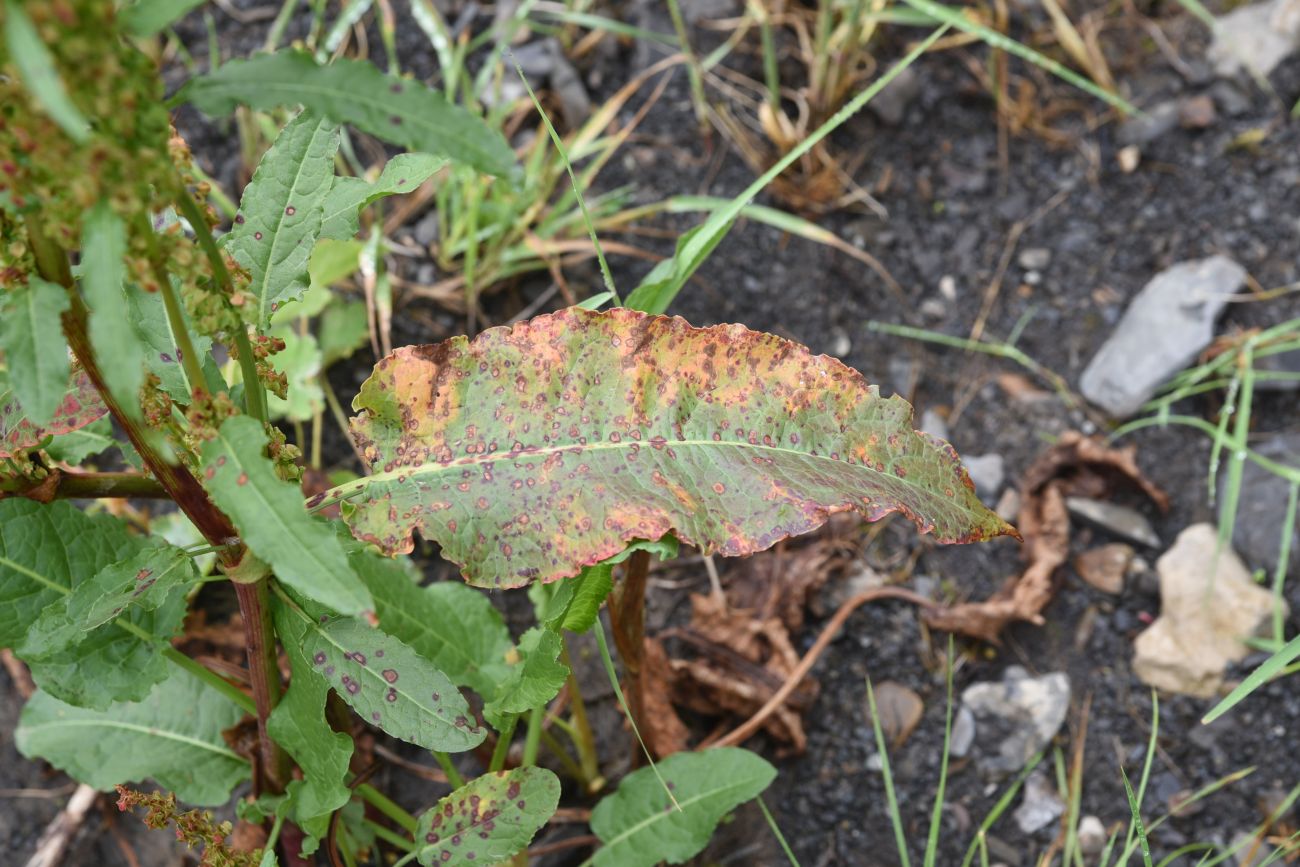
(953, 207)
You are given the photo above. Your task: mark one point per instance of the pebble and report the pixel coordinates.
(1261, 508)
(963, 733)
(1169, 322)
(1008, 507)
(899, 710)
(1128, 159)
(988, 472)
(1255, 37)
(933, 308)
(948, 287)
(1196, 112)
(1040, 804)
(1091, 836)
(1252, 851)
(892, 102)
(1104, 567)
(1208, 606)
(1034, 258)
(1025, 712)
(1120, 520)
(1144, 129)
(934, 424)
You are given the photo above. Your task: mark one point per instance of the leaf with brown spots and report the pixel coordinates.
(388, 684)
(80, 406)
(537, 449)
(488, 819)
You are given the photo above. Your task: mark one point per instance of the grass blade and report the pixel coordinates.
(900, 837)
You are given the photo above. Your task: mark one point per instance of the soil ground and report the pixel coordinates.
(953, 210)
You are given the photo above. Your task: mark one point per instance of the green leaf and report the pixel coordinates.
(31, 335)
(532, 681)
(389, 685)
(639, 824)
(537, 449)
(591, 586)
(80, 407)
(39, 73)
(148, 316)
(402, 174)
(270, 517)
(75, 446)
(343, 330)
(454, 627)
(118, 347)
(173, 736)
(487, 820)
(281, 210)
(300, 361)
(298, 724)
(143, 581)
(145, 18)
(399, 111)
(46, 550)
(331, 262)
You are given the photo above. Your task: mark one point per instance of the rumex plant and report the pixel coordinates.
(543, 454)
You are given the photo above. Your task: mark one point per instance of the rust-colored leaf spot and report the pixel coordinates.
(80, 407)
(627, 426)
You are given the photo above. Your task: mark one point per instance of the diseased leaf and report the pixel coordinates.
(118, 348)
(538, 449)
(454, 627)
(639, 824)
(143, 581)
(31, 336)
(173, 736)
(162, 355)
(300, 362)
(280, 214)
(533, 680)
(487, 820)
(80, 407)
(75, 446)
(146, 17)
(268, 512)
(39, 74)
(402, 174)
(46, 550)
(355, 92)
(298, 724)
(389, 685)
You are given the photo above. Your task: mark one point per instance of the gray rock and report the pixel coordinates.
(1209, 606)
(1124, 522)
(988, 472)
(1144, 129)
(426, 230)
(1024, 712)
(1250, 851)
(963, 733)
(1034, 258)
(1282, 362)
(1261, 507)
(934, 424)
(1168, 323)
(1255, 38)
(544, 60)
(1039, 805)
(891, 104)
(1091, 836)
(1229, 98)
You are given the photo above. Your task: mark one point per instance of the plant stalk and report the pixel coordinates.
(583, 738)
(264, 674)
(61, 484)
(627, 619)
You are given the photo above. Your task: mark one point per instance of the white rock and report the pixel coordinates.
(1121, 520)
(1255, 37)
(1168, 323)
(1040, 804)
(1208, 608)
(934, 424)
(1091, 836)
(963, 733)
(987, 472)
(1028, 710)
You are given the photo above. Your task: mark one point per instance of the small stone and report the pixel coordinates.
(875, 763)
(948, 287)
(987, 472)
(1255, 37)
(841, 345)
(1169, 322)
(1091, 836)
(1196, 112)
(1261, 509)
(893, 100)
(1026, 712)
(1252, 851)
(1209, 606)
(426, 230)
(1105, 567)
(1230, 99)
(1286, 363)
(934, 424)
(933, 308)
(899, 710)
(1121, 520)
(963, 733)
(1128, 159)
(1039, 805)
(1143, 129)
(1034, 258)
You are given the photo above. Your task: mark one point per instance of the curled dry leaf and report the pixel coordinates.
(661, 727)
(534, 450)
(1075, 466)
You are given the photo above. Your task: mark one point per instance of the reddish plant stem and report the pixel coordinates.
(188, 493)
(627, 619)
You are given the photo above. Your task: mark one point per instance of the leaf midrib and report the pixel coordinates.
(662, 816)
(150, 731)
